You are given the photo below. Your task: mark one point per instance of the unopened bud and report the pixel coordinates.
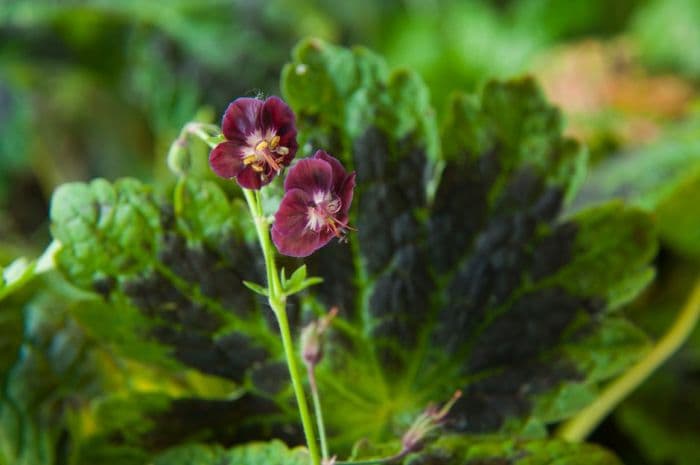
(312, 338)
(432, 418)
(178, 157)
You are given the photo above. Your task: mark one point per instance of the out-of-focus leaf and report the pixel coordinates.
(52, 374)
(679, 18)
(458, 450)
(134, 427)
(663, 178)
(608, 98)
(14, 275)
(462, 273)
(270, 453)
(662, 418)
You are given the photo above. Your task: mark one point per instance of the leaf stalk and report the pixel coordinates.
(580, 426)
(277, 300)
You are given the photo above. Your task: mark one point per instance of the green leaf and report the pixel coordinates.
(172, 281)
(458, 450)
(50, 370)
(660, 417)
(663, 178)
(298, 281)
(296, 278)
(257, 288)
(15, 275)
(679, 17)
(167, 287)
(463, 273)
(271, 453)
(146, 423)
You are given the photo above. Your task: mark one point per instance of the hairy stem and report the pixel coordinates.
(277, 301)
(311, 372)
(580, 426)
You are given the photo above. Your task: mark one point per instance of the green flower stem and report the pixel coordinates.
(311, 371)
(207, 132)
(277, 300)
(580, 426)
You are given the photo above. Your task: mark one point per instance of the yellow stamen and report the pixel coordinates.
(262, 145)
(274, 142)
(249, 159)
(257, 167)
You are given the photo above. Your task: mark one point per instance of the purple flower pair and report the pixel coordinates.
(260, 142)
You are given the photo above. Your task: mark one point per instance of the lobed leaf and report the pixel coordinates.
(167, 286)
(173, 281)
(464, 273)
(663, 178)
(49, 371)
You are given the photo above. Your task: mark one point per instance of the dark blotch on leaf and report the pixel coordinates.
(399, 302)
(156, 297)
(270, 378)
(213, 274)
(554, 250)
(188, 328)
(391, 189)
(104, 286)
(501, 258)
(335, 264)
(240, 351)
(487, 404)
(531, 325)
(226, 422)
(459, 211)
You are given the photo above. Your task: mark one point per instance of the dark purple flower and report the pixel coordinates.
(260, 141)
(314, 209)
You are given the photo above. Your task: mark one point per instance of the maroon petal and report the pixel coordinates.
(310, 175)
(242, 117)
(345, 195)
(277, 116)
(225, 160)
(339, 173)
(248, 178)
(289, 232)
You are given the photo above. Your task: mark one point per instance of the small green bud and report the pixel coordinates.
(312, 338)
(179, 157)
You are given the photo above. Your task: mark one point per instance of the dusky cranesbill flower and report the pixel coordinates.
(260, 141)
(314, 209)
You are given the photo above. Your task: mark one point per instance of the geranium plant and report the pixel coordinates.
(444, 306)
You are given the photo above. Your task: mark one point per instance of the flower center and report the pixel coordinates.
(265, 151)
(322, 214)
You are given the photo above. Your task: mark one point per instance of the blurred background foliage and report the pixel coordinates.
(101, 87)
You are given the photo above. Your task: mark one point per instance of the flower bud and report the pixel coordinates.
(312, 338)
(432, 418)
(178, 157)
